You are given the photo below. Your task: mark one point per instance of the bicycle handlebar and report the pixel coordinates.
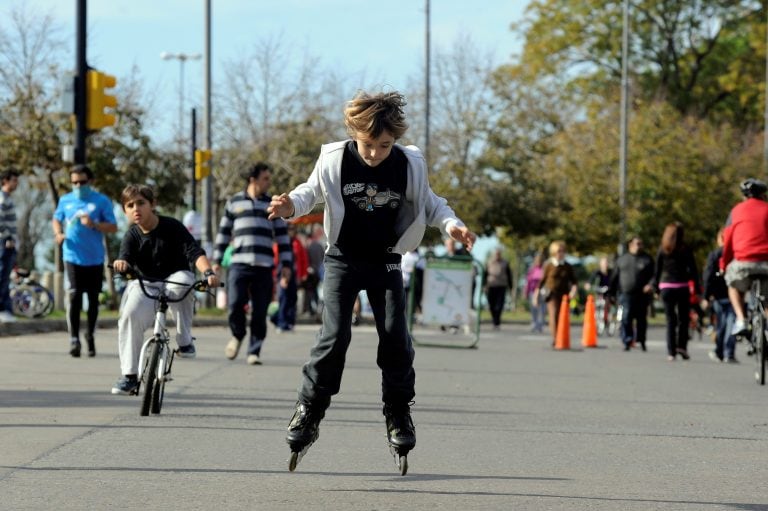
(135, 274)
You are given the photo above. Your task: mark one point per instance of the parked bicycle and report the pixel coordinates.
(156, 356)
(29, 298)
(756, 321)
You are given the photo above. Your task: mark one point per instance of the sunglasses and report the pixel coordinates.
(79, 183)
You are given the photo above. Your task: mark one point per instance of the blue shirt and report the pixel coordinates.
(83, 245)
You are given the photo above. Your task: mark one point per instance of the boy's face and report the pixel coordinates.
(138, 210)
(376, 150)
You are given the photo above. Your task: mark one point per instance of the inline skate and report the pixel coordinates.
(401, 434)
(303, 431)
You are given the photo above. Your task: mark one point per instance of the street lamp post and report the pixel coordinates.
(623, 126)
(182, 58)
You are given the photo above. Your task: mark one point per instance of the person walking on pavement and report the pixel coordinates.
(558, 279)
(632, 281)
(745, 247)
(716, 293)
(497, 281)
(288, 283)
(250, 275)
(377, 204)
(315, 253)
(82, 218)
(532, 281)
(675, 267)
(158, 247)
(9, 181)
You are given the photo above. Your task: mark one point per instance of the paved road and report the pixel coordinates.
(511, 425)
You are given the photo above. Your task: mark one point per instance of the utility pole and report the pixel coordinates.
(207, 197)
(81, 84)
(426, 84)
(623, 128)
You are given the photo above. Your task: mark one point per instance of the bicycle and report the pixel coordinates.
(29, 298)
(156, 355)
(755, 311)
(604, 317)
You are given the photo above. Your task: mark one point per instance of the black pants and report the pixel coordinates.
(677, 307)
(634, 322)
(383, 283)
(83, 279)
(496, 296)
(249, 284)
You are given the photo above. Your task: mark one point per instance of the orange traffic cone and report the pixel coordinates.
(589, 334)
(563, 337)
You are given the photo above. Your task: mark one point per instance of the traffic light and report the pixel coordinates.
(202, 163)
(98, 100)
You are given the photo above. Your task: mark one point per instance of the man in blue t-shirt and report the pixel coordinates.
(80, 221)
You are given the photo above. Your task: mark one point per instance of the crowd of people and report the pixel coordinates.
(688, 298)
(378, 202)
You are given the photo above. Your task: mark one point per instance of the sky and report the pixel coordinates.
(369, 43)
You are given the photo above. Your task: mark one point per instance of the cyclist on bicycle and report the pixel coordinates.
(161, 248)
(745, 248)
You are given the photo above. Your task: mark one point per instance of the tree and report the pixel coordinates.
(31, 132)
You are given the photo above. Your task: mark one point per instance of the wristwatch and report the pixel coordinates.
(209, 272)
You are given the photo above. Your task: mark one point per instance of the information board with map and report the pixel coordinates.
(447, 295)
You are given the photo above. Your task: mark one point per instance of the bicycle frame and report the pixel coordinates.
(757, 321)
(156, 366)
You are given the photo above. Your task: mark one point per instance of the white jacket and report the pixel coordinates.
(420, 208)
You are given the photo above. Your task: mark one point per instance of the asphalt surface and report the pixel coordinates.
(509, 425)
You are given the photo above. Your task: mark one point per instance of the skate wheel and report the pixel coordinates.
(293, 461)
(402, 464)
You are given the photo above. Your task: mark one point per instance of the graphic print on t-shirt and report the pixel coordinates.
(372, 198)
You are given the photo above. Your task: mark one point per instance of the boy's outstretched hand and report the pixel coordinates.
(281, 206)
(463, 235)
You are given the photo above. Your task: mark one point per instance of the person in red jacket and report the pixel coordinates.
(745, 249)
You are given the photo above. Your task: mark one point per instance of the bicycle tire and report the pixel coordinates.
(159, 392)
(758, 330)
(149, 377)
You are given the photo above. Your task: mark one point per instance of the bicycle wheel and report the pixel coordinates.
(758, 335)
(159, 391)
(149, 377)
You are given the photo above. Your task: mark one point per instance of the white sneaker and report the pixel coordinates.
(233, 346)
(253, 360)
(7, 317)
(739, 327)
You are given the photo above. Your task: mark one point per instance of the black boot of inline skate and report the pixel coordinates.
(303, 430)
(401, 433)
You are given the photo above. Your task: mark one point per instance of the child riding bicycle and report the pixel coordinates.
(161, 248)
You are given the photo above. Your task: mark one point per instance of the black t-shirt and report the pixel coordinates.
(372, 199)
(166, 249)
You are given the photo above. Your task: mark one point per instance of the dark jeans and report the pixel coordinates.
(7, 261)
(677, 307)
(83, 279)
(285, 317)
(634, 322)
(496, 297)
(249, 283)
(725, 342)
(383, 283)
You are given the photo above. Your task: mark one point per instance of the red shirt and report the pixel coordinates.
(746, 236)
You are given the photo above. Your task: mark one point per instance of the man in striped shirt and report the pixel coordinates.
(250, 277)
(9, 180)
